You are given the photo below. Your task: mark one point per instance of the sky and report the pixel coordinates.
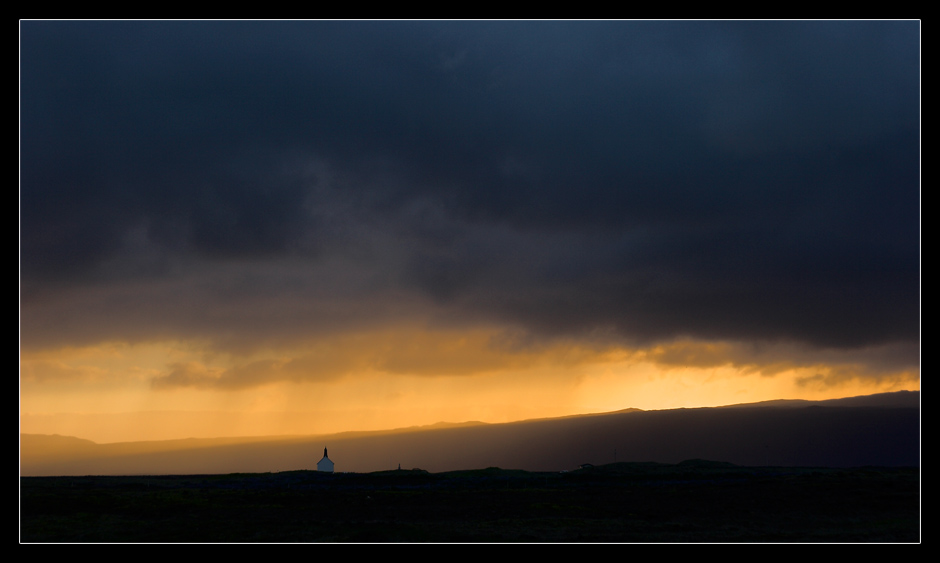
(248, 228)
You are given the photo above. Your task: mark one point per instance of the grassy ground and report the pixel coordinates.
(624, 502)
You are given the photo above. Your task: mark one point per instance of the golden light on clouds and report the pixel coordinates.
(399, 378)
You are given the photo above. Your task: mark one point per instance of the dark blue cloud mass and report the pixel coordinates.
(743, 180)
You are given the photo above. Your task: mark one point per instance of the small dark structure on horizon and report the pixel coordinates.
(325, 464)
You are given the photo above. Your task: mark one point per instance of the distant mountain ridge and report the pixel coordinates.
(882, 429)
(893, 399)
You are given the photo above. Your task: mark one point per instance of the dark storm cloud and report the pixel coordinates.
(704, 179)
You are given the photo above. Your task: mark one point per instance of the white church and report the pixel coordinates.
(325, 464)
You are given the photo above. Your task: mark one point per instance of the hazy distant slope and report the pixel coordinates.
(896, 399)
(836, 434)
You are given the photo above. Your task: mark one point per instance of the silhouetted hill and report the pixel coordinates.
(693, 501)
(879, 430)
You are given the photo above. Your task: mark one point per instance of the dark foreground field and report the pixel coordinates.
(693, 501)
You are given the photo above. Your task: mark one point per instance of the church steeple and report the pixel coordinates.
(325, 464)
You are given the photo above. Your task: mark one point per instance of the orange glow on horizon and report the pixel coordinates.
(390, 379)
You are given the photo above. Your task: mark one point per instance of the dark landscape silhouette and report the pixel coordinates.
(876, 430)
